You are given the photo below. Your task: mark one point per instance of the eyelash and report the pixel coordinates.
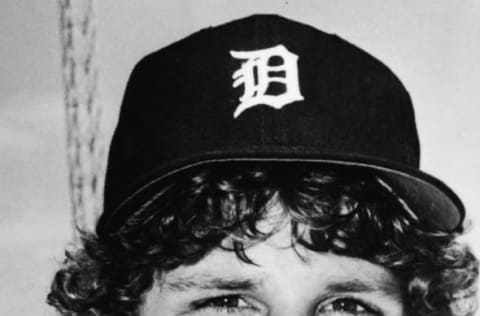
(218, 303)
(368, 309)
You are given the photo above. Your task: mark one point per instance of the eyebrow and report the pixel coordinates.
(210, 282)
(206, 282)
(351, 286)
(363, 286)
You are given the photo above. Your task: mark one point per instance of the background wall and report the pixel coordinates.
(433, 46)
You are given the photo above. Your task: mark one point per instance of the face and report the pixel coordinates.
(283, 280)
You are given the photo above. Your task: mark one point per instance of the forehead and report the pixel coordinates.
(280, 274)
(279, 262)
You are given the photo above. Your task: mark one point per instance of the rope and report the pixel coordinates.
(85, 152)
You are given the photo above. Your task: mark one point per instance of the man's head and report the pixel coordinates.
(266, 168)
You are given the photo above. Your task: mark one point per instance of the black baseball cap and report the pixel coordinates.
(267, 89)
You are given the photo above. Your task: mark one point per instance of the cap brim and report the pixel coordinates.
(432, 201)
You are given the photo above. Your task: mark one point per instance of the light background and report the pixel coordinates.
(433, 46)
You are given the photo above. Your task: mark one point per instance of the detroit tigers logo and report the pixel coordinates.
(257, 75)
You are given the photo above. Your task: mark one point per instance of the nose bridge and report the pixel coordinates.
(291, 309)
(291, 298)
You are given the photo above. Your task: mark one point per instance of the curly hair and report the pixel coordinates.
(347, 211)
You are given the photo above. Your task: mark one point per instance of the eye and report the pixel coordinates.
(226, 305)
(346, 307)
(232, 301)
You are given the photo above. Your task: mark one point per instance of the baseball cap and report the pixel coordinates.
(267, 89)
